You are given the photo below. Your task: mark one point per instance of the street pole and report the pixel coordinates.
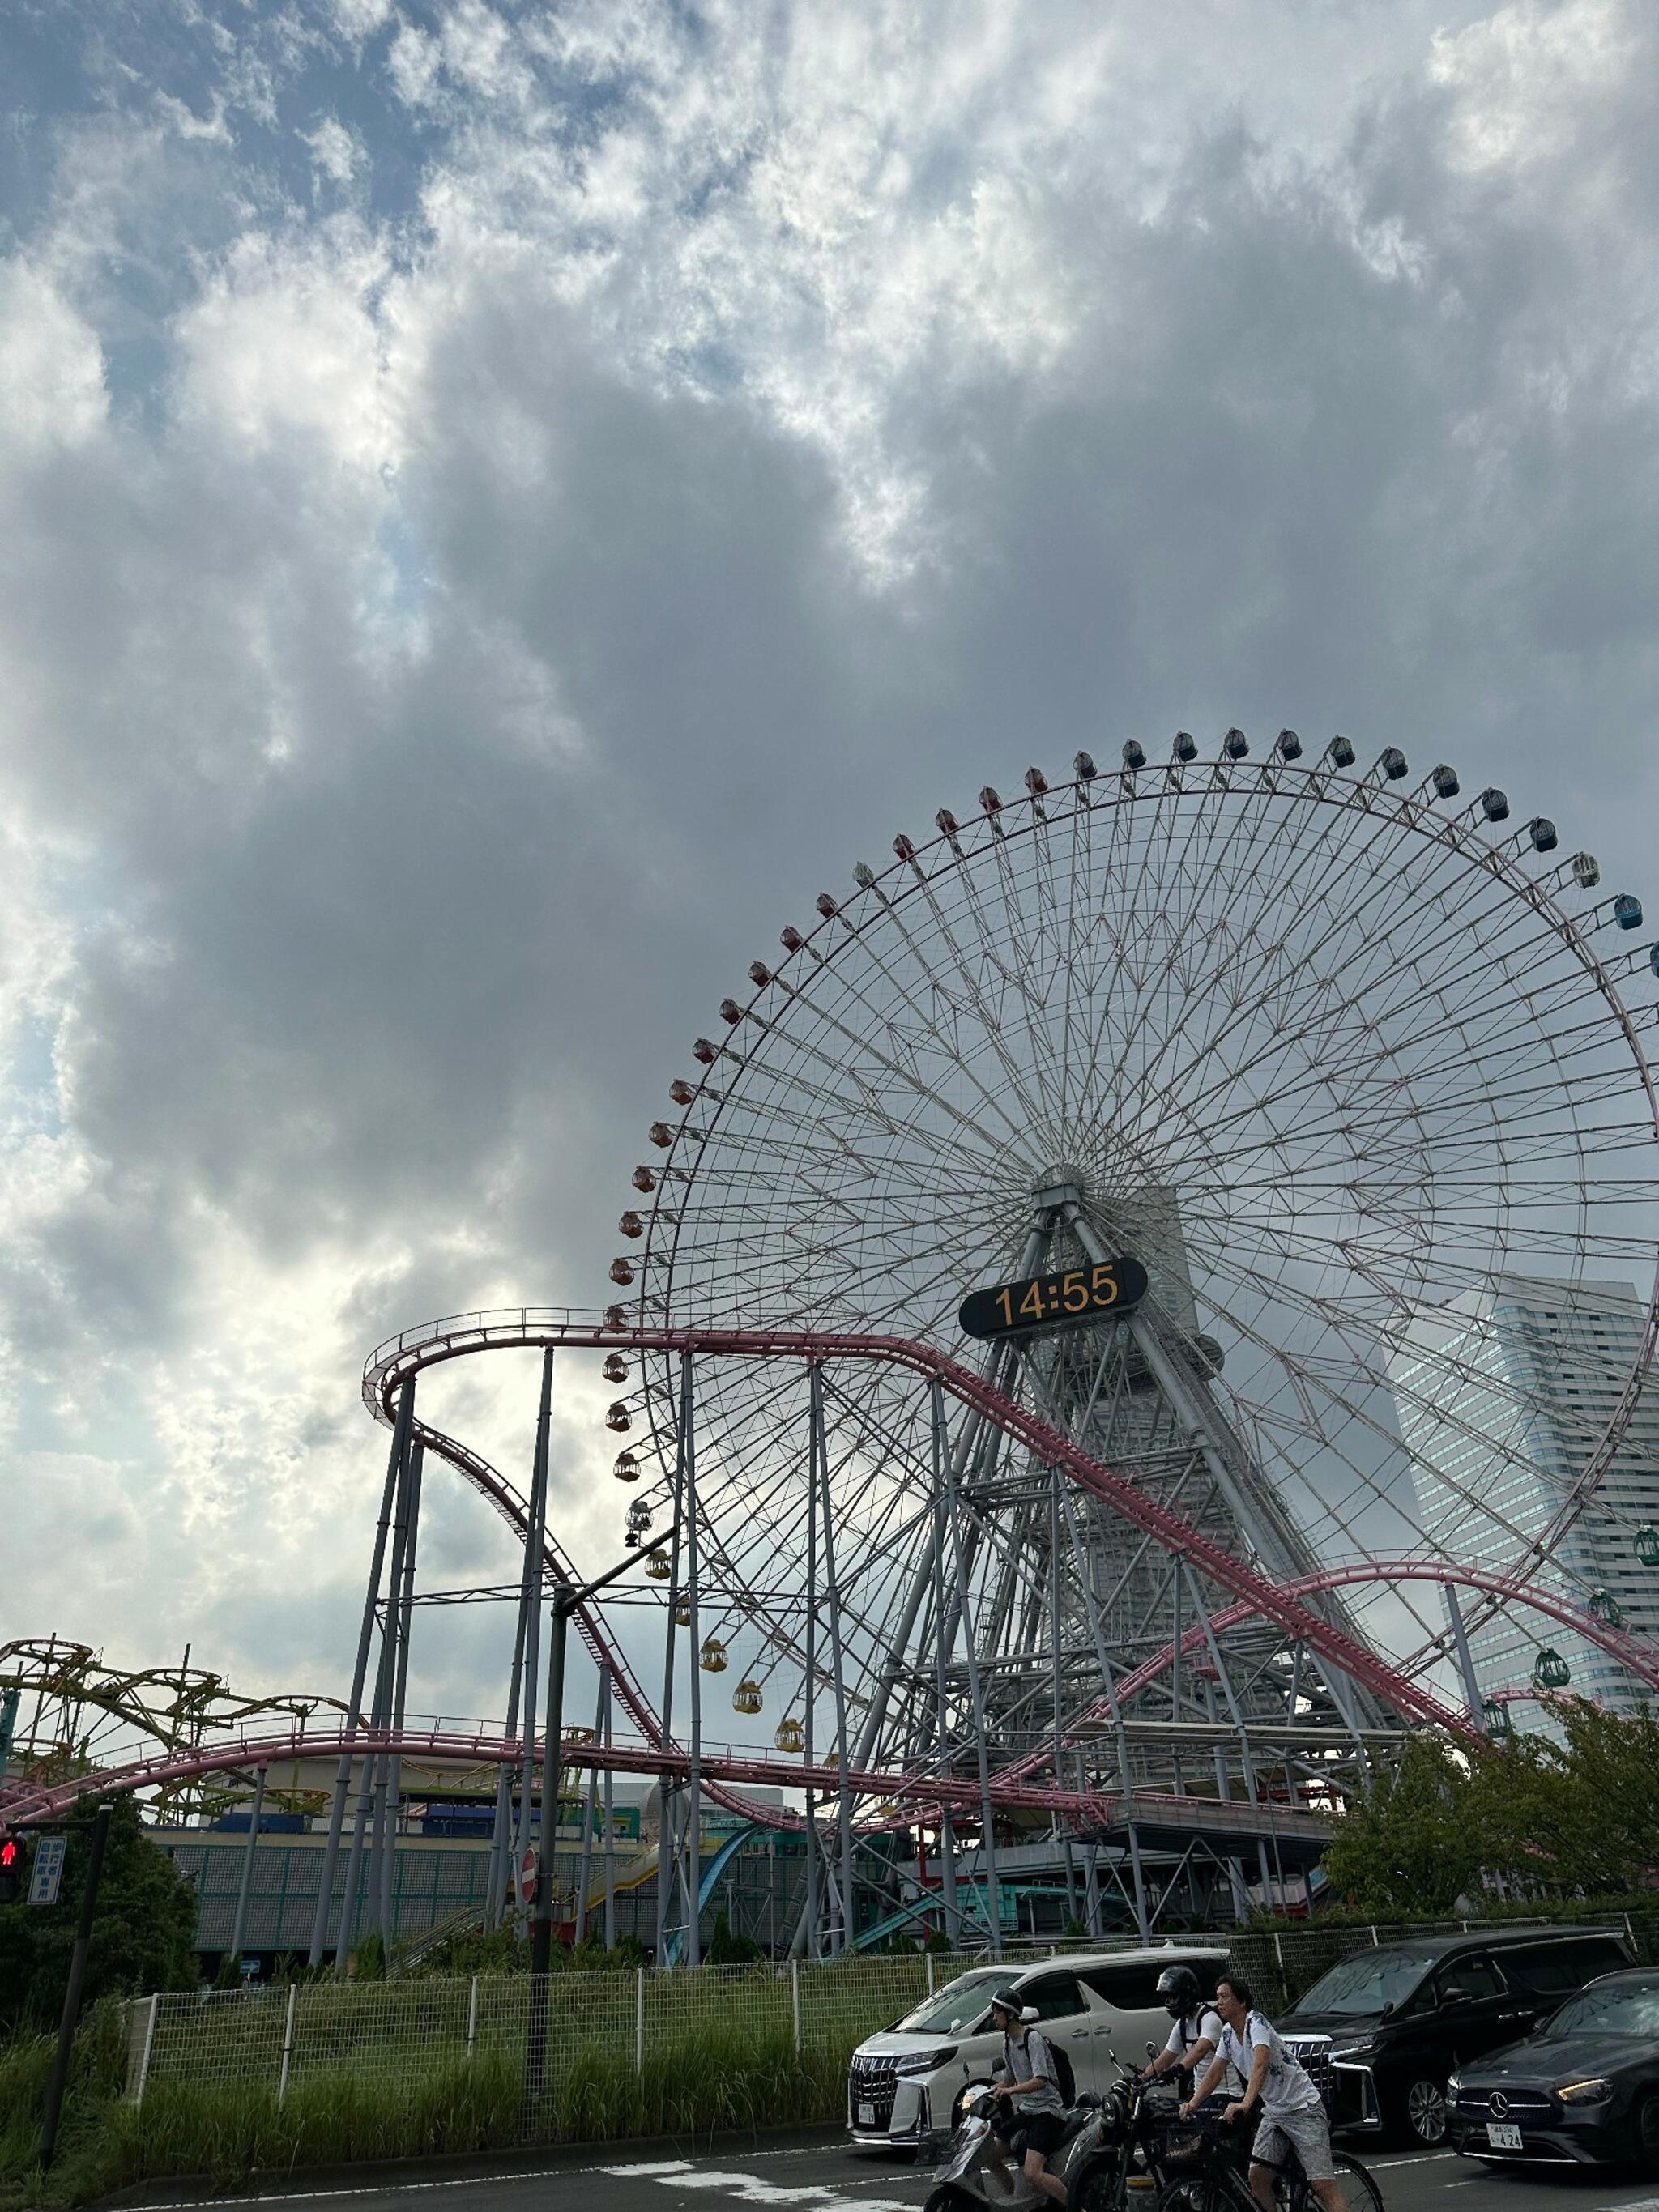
(566, 1599)
(60, 2064)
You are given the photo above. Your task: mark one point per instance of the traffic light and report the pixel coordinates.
(14, 1868)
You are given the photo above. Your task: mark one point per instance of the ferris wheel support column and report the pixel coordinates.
(1125, 1779)
(1246, 1761)
(947, 1840)
(997, 1366)
(844, 1811)
(807, 1933)
(1465, 1659)
(668, 1804)
(694, 1781)
(400, 1435)
(988, 1850)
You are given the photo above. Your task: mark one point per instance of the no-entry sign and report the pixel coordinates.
(527, 1879)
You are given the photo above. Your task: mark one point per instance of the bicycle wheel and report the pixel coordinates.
(1214, 2191)
(1359, 2192)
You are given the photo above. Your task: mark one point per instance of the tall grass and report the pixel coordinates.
(705, 2079)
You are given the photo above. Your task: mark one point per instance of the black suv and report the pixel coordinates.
(1400, 2019)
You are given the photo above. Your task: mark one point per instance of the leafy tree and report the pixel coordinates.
(1579, 1816)
(143, 1928)
(726, 1949)
(1408, 1846)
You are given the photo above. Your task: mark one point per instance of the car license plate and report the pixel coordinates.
(866, 2115)
(1503, 2135)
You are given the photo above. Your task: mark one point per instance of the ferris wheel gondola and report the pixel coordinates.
(1331, 1053)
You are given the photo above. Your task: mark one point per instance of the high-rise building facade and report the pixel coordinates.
(1539, 1366)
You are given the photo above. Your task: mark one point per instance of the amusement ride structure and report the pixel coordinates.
(1066, 1273)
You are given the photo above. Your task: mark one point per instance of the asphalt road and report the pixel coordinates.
(825, 2176)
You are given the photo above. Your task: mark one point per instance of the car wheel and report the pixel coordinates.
(1425, 2109)
(1644, 2131)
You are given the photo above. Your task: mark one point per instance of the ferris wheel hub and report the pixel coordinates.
(1062, 1185)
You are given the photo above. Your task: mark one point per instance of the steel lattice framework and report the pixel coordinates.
(1333, 1053)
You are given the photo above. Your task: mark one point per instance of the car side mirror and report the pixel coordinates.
(1389, 2009)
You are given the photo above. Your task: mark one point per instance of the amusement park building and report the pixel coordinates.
(1542, 1366)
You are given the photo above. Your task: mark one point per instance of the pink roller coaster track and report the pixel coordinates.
(728, 1772)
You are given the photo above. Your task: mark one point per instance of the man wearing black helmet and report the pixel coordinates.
(1030, 2110)
(1197, 2030)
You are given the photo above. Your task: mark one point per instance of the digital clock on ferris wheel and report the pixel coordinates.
(1093, 1293)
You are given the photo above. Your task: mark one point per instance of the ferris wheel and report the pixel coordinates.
(1351, 1063)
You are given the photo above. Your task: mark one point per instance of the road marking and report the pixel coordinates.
(381, 2189)
(1412, 2158)
(663, 2170)
(750, 2189)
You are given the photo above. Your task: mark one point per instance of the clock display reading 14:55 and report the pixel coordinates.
(1092, 1293)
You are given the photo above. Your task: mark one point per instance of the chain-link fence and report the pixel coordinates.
(331, 2069)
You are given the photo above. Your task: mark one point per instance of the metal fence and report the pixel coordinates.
(614, 2050)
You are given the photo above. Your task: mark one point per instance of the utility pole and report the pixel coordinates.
(58, 2077)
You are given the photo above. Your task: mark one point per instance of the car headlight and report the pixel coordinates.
(1353, 2051)
(923, 2062)
(1596, 2091)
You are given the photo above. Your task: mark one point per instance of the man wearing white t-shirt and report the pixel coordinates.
(1291, 2109)
(1197, 2030)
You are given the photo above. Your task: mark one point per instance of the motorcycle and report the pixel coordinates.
(964, 2179)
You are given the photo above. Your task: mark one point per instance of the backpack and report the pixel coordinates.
(1065, 2078)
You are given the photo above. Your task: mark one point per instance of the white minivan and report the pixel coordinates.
(906, 2083)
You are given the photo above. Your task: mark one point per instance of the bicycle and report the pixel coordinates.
(1221, 2183)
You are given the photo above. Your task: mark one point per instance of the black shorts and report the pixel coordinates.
(1024, 2131)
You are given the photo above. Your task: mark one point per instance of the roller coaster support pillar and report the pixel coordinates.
(500, 1852)
(590, 1806)
(380, 1835)
(58, 2077)
(403, 1597)
(1465, 1661)
(530, 1597)
(246, 1883)
(558, 1629)
(566, 1599)
(400, 1435)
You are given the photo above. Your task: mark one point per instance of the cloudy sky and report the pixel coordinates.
(499, 504)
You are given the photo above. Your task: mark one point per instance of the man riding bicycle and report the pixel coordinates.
(1291, 2114)
(1197, 2030)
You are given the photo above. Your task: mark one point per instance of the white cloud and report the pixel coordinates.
(441, 643)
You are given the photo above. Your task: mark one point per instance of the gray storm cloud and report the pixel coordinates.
(499, 510)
